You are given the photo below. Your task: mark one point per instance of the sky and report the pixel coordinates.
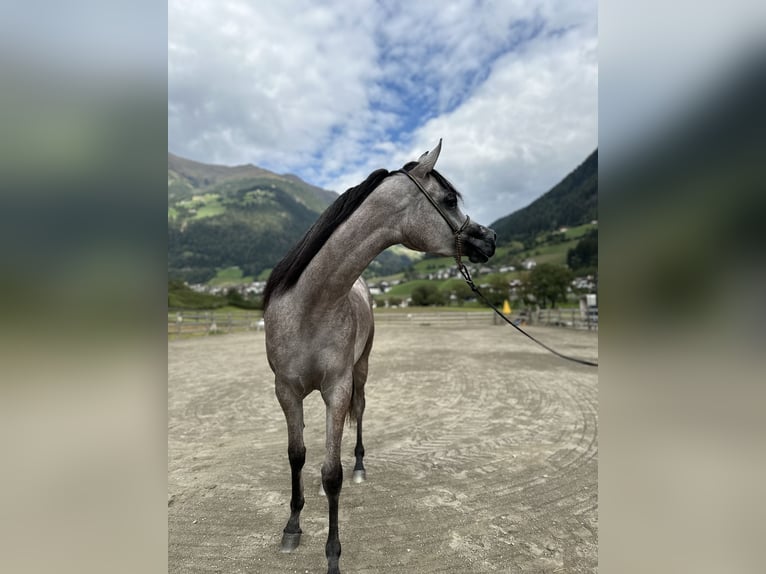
(332, 90)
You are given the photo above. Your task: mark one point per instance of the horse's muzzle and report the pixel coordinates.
(479, 243)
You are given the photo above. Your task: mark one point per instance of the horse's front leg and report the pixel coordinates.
(337, 402)
(292, 405)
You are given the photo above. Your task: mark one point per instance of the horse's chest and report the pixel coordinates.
(309, 348)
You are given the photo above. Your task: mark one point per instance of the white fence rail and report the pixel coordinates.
(217, 322)
(436, 318)
(212, 322)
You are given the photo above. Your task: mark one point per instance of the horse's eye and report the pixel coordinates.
(451, 201)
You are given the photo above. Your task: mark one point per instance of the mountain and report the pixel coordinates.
(243, 216)
(573, 201)
(185, 176)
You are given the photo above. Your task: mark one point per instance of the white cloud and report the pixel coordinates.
(263, 84)
(335, 90)
(531, 123)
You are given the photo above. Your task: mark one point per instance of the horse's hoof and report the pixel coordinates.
(359, 476)
(321, 490)
(290, 541)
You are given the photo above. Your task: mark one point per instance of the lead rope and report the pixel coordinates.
(469, 281)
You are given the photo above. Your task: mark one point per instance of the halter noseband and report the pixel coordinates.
(457, 231)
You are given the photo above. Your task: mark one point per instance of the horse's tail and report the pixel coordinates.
(356, 405)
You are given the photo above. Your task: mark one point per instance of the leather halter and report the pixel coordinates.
(457, 231)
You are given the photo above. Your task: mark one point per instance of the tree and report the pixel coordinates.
(498, 291)
(426, 295)
(584, 255)
(548, 283)
(235, 299)
(233, 296)
(556, 237)
(461, 291)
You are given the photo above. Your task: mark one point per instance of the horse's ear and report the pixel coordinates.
(427, 161)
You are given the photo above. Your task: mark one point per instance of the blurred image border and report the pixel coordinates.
(83, 218)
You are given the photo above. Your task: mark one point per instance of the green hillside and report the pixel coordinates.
(572, 202)
(234, 218)
(186, 178)
(229, 225)
(543, 250)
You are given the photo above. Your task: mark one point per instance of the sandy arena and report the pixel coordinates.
(482, 456)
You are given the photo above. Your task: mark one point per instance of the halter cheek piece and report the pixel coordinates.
(457, 231)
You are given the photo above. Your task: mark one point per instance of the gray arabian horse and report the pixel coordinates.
(318, 311)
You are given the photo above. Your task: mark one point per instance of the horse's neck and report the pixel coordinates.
(349, 250)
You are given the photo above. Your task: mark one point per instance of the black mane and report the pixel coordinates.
(289, 269)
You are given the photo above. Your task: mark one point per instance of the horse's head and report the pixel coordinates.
(432, 218)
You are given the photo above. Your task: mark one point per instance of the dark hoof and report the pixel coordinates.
(290, 541)
(359, 476)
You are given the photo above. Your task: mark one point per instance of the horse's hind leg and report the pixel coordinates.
(360, 475)
(357, 412)
(296, 452)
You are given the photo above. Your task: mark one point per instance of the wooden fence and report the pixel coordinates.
(436, 318)
(572, 318)
(212, 322)
(218, 322)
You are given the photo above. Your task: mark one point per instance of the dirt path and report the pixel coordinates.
(482, 456)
